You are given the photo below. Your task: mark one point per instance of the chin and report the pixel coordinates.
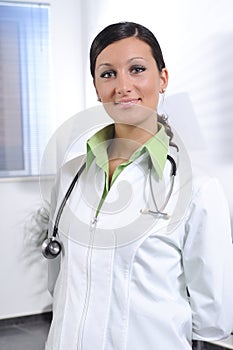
(129, 113)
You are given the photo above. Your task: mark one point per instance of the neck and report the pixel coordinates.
(135, 133)
(128, 138)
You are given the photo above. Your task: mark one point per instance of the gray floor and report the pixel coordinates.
(24, 333)
(30, 333)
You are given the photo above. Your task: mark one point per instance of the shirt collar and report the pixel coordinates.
(156, 146)
(97, 146)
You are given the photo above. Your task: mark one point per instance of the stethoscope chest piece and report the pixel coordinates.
(51, 248)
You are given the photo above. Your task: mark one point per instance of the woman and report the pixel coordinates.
(130, 275)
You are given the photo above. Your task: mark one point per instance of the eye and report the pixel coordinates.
(137, 69)
(108, 74)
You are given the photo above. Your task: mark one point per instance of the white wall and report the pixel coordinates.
(23, 279)
(196, 38)
(22, 271)
(67, 59)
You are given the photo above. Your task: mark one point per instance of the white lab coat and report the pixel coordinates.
(123, 286)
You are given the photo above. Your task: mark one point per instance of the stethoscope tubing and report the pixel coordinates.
(65, 199)
(51, 247)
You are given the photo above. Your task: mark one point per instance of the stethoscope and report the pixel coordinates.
(52, 247)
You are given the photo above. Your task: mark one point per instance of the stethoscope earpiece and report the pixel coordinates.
(51, 248)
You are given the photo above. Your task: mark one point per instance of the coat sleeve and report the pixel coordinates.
(64, 176)
(208, 263)
(53, 264)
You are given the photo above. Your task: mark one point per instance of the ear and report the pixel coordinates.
(163, 80)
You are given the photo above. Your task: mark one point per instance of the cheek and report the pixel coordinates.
(151, 85)
(151, 93)
(103, 90)
(151, 89)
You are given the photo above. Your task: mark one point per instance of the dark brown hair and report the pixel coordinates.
(123, 30)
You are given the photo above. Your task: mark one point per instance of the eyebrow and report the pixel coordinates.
(107, 64)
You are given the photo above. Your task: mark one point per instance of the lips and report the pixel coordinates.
(127, 102)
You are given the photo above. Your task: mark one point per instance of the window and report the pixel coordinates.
(25, 117)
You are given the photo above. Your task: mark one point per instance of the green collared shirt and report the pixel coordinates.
(97, 146)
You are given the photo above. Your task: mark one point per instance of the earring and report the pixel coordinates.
(163, 96)
(161, 103)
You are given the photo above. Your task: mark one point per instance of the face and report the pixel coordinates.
(126, 75)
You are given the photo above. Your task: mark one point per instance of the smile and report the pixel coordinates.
(128, 102)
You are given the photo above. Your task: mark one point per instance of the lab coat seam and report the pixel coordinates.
(57, 337)
(109, 298)
(127, 310)
(129, 283)
(64, 286)
(86, 305)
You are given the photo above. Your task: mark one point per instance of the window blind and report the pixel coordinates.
(25, 117)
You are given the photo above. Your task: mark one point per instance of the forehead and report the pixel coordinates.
(123, 50)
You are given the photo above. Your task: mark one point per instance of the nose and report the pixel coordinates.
(123, 84)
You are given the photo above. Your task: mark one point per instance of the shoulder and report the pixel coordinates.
(208, 197)
(73, 165)
(203, 183)
(67, 172)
